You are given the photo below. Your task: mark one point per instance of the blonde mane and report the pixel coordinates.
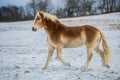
(49, 16)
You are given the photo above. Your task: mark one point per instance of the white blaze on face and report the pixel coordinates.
(35, 27)
(36, 21)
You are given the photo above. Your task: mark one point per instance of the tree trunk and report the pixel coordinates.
(107, 3)
(34, 7)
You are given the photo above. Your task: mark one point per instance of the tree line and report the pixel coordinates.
(13, 13)
(72, 8)
(88, 7)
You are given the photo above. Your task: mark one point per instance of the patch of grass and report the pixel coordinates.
(114, 26)
(26, 71)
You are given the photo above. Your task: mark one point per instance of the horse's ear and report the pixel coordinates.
(41, 14)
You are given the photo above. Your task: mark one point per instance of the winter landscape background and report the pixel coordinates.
(23, 53)
(19, 10)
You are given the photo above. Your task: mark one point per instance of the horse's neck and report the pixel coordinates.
(54, 29)
(54, 26)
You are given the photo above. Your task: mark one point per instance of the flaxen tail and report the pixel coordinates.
(106, 50)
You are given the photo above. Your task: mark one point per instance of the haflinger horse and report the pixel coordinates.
(60, 36)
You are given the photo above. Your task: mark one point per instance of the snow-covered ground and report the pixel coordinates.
(23, 53)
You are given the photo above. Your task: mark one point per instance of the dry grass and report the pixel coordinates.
(114, 26)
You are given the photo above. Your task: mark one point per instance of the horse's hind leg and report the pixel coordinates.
(50, 53)
(59, 56)
(100, 52)
(89, 57)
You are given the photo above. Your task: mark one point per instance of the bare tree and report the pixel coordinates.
(101, 7)
(38, 5)
(22, 12)
(107, 5)
(32, 4)
(29, 14)
(71, 7)
(42, 5)
(112, 5)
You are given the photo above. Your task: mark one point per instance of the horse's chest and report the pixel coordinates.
(52, 42)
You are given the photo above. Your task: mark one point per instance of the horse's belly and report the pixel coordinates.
(74, 44)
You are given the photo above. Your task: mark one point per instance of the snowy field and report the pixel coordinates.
(23, 53)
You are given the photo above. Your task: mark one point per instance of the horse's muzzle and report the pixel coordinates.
(34, 29)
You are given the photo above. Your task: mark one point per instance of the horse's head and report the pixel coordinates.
(42, 19)
(38, 21)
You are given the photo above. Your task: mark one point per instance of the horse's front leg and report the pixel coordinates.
(50, 53)
(59, 56)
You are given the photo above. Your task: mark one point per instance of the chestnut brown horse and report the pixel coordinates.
(61, 36)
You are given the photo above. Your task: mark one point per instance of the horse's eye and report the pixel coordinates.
(38, 19)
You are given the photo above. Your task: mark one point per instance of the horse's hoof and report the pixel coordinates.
(108, 66)
(67, 64)
(44, 68)
(83, 69)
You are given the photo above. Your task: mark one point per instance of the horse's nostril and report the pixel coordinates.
(34, 29)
